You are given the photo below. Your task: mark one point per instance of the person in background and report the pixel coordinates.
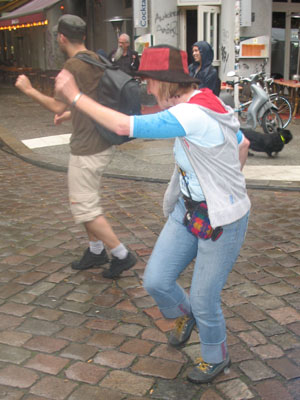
(126, 58)
(202, 68)
(90, 153)
(101, 53)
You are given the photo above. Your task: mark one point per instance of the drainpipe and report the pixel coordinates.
(237, 51)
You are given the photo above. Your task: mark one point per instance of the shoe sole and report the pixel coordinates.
(92, 266)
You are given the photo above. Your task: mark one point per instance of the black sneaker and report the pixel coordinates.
(117, 266)
(205, 372)
(90, 260)
(182, 331)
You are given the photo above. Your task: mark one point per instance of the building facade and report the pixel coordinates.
(261, 33)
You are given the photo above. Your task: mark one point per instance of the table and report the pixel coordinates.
(292, 87)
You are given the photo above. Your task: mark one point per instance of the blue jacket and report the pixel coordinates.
(207, 74)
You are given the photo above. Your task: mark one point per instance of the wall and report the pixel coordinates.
(260, 27)
(164, 22)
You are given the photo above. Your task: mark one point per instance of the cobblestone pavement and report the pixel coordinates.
(78, 336)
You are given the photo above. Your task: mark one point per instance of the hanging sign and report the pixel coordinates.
(140, 13)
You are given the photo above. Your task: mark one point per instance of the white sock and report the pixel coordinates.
(120, 251)
(96, 247)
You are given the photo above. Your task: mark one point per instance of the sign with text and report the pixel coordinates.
(140, 13)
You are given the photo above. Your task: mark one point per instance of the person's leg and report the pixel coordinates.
(84, 175)
(213, 264)
(172, 253)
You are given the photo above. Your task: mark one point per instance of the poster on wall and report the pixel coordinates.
(140, 13)
(142, 42)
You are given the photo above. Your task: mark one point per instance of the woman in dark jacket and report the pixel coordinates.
(202, 69)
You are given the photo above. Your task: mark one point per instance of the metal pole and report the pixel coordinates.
(237, 51)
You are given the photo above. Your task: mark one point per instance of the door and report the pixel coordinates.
(200, 23)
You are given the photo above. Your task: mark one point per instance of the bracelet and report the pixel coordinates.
(76, 98)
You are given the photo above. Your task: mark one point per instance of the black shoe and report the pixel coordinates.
(90, 260)
(117, 266)
(205, 372)
(182, 331)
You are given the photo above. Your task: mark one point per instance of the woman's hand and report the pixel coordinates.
(60, 118)
(65, 86)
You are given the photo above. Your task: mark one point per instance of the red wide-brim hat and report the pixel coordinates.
(165, 63)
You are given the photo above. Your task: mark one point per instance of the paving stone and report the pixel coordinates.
(14, 338)
(168, 353)
(174, 390)
(30, 278)
(239, 353)
(154, 335)
(95, 393)
(15, 309)
(10, 322)
(136, 346)
(74, 334)
(157, 367)
(13, 355)
(101, 324)
(285, 315)
(53, 388)
(7, 393)
(128, 330)
(235, 390)
(256, 370)
(39, 327)
(41, 288)
(210, 395)
(272, 389)
(114, 359)
(285, 367)
(106, 340)
(268, 351)
(279, 289)
(79, 351)
(237, 324)
(269, 327)
(46, 344)
(127, 383)
(71, 319)
(294, 388)
(10, 289)
(249, 312)
(46, 314)
(252, 338)
(267, 302)
(17, 377)
(72, 306)
(286, 341)
(47, 363)
(84, 372)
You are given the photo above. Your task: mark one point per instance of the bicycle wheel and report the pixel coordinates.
(284, 108)
(271, 121)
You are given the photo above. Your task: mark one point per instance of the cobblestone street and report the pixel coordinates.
(78, 336)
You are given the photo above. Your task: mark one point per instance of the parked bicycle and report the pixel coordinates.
(259, 109)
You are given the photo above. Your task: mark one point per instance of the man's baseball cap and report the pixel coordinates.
(71, 26)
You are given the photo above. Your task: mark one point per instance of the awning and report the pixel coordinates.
(30, 13)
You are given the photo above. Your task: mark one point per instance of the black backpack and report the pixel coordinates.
(116, 90)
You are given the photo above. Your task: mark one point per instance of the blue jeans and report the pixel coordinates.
(173, 252)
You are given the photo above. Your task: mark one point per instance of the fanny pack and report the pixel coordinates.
(196, 218)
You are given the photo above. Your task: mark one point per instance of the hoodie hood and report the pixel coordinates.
(207, 53)
(218, 110)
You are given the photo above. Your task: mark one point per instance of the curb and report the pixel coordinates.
(11, 145)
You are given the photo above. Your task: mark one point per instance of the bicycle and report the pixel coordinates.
(258, 109)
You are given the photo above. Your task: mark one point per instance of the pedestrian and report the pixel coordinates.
(126, 58)
(90, 153)
(202, 69)
(207, 177)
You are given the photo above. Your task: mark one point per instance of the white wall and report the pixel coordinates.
(164, 22)
(261, 26)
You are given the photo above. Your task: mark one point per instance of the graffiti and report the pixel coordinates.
(164, 25)
(170, 29)
(224, 57)
(166, 15)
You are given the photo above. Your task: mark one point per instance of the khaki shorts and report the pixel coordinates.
(84, 178)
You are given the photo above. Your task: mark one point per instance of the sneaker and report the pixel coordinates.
(206, 372)
(90, 260)
(182, 331)
(117, 266)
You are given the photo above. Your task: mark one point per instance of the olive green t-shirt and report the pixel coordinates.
(85, 140)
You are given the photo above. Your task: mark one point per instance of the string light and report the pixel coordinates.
(20, 26)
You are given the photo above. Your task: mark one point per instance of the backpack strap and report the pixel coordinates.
(101, 62)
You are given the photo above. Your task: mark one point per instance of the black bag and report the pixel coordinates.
(116, 90)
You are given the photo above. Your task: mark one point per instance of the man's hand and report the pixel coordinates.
(65, 86)
(23, 84)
